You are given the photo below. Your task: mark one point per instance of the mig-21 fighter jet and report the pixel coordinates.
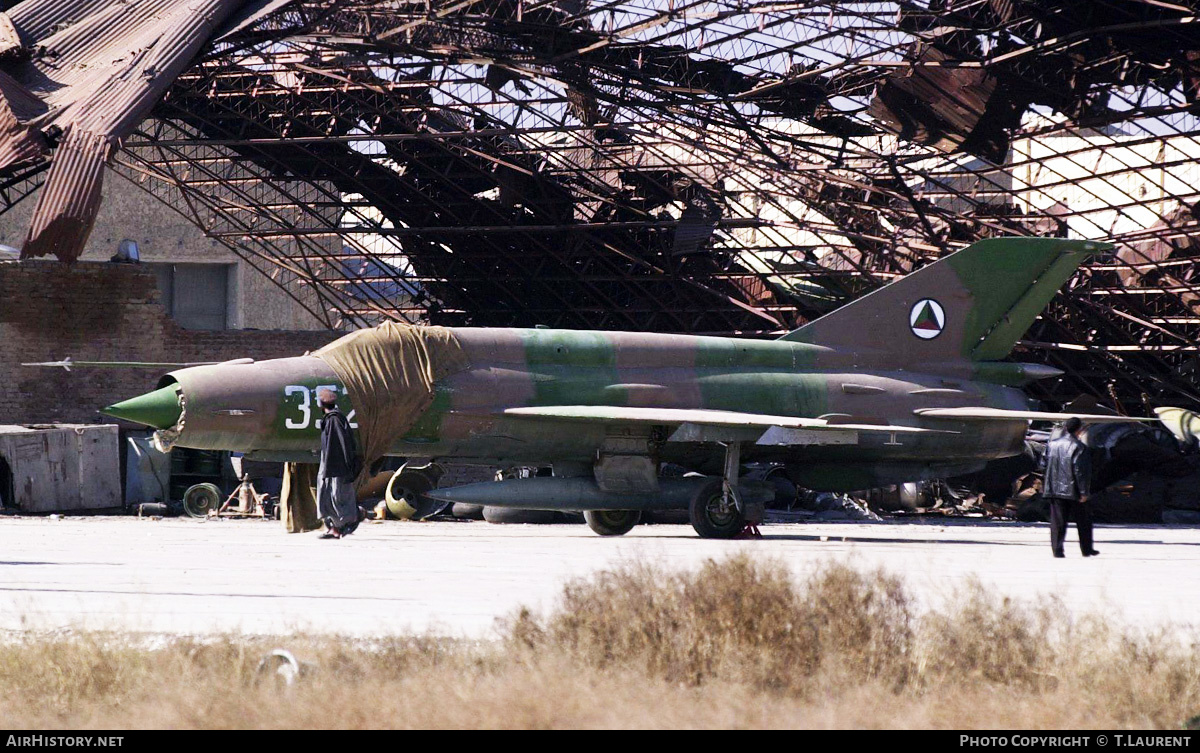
(904, 384)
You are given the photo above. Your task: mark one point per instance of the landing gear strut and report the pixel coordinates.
(718, 511)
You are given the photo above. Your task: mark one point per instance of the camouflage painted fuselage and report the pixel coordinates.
(268, 409)
(933, 340)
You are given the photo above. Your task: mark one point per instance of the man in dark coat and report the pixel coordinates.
(337, 503)
(1066, 483)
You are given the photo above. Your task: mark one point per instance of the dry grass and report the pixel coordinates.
(736, 643)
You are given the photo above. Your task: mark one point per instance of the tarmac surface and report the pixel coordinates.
(200, 577)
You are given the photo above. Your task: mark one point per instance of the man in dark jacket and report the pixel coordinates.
(337, 503)
(1066, 483)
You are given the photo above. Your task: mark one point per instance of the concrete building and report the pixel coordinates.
(203, 285)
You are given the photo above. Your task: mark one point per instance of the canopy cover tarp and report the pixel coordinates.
(389, 373)
(77, 76)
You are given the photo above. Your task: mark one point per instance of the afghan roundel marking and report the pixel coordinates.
(927, 319)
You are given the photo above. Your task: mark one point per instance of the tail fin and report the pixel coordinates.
(971, 305)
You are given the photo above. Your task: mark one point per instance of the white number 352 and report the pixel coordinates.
(307, 404)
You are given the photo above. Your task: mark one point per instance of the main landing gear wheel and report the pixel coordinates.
(612, 522)
(712, 515)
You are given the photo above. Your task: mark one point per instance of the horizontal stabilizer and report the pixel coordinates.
(704, 417)
(1000, 414)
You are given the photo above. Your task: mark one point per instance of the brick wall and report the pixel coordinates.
(96, 311)
(164, 235)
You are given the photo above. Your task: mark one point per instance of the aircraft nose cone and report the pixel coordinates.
(159, 409)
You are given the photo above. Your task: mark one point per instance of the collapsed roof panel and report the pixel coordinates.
(675, 165)
(77, 76)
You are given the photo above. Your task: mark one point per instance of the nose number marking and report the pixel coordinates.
(305, 406)
(308, 397)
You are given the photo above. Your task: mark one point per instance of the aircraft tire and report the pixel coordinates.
(708, 521)
(612, 522)
(464, 511)
(198, 500)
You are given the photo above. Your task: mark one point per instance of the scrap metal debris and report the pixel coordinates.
(282, 667)
(76, 77)
(1140, 474)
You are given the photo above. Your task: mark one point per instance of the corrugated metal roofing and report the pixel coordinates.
(81, 74)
